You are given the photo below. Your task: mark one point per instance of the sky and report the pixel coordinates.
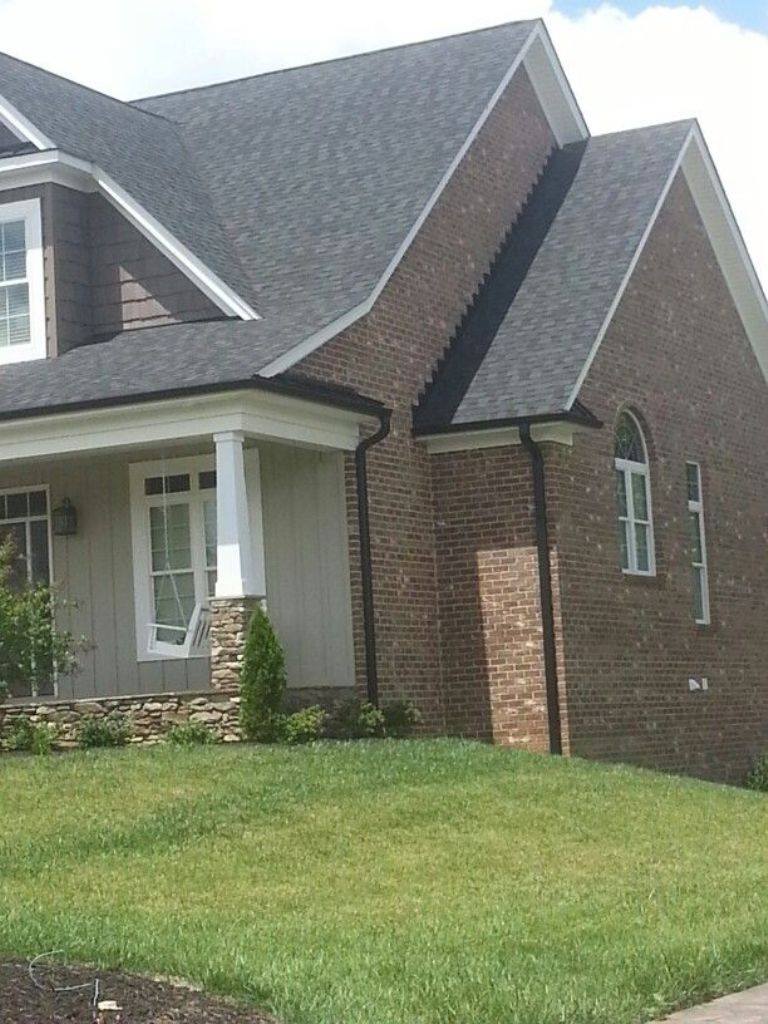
(630, 62)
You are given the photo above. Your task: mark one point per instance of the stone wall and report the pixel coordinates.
(150, 715)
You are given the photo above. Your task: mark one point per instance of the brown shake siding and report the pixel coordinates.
(392, 353)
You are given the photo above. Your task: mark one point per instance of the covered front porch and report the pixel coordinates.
(188, 511)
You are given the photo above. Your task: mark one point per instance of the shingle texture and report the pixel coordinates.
(539, 348)
(145, 154)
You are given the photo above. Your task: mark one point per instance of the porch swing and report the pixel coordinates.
(195, 636)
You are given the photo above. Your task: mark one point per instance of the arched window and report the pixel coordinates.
(633, 495)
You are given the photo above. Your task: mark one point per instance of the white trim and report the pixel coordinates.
(29, 210)
(697, 508)
(627, 276)
(19, 125)
(256, 413)
(540, 61)
(65, 169)
(630, 469)
(734, 260)
(140, 503)
(48, 517)
(496, 437)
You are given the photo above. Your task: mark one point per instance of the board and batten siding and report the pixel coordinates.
(307, 571)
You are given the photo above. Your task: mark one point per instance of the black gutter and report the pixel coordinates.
(545, 588)
(366, 567)
(323, 394)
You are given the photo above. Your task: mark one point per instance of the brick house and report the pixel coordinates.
(392, 343)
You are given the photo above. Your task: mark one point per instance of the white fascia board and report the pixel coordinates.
(257, 414)
(65, 169)
(496, 437)
(22, 127)
(567, 124)
(629, 272)
(696, 164)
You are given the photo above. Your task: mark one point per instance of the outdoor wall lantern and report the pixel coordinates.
(64, 519)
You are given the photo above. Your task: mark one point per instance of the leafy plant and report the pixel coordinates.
(758, 776)
(262, 682)
(400, 718)
(32, 648)
(189, 734)
(112, 730)
(36, 738)
(303, 726)
(354, 719)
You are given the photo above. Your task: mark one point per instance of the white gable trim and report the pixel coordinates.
(695, 162)
(538, 58)
(19, 125)
(65, 169)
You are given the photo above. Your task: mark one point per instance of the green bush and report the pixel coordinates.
(190, 734)
(112, 730)
(758, 776)
(304, 726)
(354, 719)
(400, 718)
(35, 739)
(262, 682)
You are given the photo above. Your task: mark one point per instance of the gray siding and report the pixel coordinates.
(307, 572)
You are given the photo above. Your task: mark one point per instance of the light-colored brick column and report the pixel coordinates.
(231, 617)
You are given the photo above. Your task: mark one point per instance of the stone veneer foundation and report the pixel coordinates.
(231, 617)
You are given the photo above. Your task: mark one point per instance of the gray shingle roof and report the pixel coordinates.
(318, 173)
(535, 353)
(144, 153)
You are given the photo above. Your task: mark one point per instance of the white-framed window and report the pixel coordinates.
(698, 543)
(25, 522)
(22, 294)
(633, 497)
(173, 525)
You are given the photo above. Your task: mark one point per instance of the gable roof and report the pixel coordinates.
(525, 347)
(140, 153)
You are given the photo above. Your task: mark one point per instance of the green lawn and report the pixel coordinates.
(389, 883)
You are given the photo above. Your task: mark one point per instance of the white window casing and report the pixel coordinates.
(22, 283)
(635, 512)
(701, 612)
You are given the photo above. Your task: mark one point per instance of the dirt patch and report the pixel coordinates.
(123, 998)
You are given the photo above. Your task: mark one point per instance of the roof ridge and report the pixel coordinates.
(331, 60)
(678, 122)
(127, 104)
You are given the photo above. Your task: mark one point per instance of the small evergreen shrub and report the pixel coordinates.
(262, 682)
(400, 718)
(112, 730)
(354, 719)
(304, 726)
(758, 776)
(190, 734)
(27, 736)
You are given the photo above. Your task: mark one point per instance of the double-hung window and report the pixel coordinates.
(22, 313)
(633, 496)
(173, 511)
(697, 543)
(25, 526)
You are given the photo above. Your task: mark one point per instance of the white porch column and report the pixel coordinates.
(240, 536)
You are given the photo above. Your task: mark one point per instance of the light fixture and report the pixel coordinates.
(64, 519)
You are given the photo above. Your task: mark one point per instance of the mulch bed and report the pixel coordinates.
(140, 1000)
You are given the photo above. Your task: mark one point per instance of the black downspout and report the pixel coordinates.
(545, 588)
(366, 569)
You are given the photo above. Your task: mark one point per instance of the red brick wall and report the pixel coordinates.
(677, 353)
(490, 610)
(391, 354)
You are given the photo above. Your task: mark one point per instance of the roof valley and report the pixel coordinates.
(489, 305)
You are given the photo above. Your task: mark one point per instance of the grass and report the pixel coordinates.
(390, 883)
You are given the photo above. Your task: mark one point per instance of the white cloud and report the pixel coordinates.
(662, 64)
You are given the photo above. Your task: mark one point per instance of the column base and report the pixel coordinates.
(230, 619)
